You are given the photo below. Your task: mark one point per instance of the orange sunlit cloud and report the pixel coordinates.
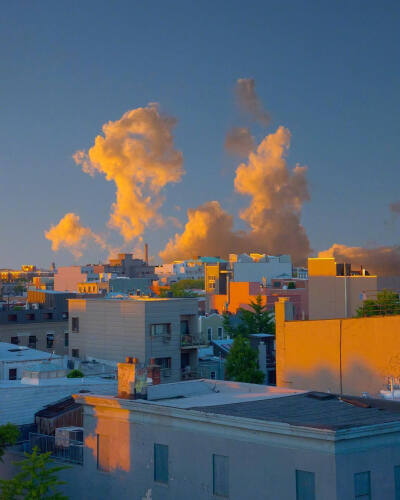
(69, 233)
(137, 153)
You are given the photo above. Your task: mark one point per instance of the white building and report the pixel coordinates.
(260, 267)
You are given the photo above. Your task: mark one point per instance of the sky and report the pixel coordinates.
(328, 72)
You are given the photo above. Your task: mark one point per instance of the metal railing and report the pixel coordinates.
(188, 340)
(71, 451)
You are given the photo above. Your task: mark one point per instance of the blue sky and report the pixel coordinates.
(328, 71)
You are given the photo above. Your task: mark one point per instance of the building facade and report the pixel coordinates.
(109, 330)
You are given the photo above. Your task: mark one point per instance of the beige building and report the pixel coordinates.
(163, 329)
(211, 328)
(337, 291)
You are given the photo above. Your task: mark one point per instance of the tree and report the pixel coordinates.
(75, 374)
(386, 303)
(9, 434)
(257, 319)
(184, 288)
(37, 479)
(241, 363)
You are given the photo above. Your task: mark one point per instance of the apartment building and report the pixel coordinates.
(41, 324)
(146, 328)
(337, 291)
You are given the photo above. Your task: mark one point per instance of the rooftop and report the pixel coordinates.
(12, 352)
(307, 410)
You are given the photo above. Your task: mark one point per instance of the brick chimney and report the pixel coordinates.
(153, 371)
(126, 378)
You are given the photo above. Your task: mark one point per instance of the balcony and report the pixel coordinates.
(70, 452)
(189, 341)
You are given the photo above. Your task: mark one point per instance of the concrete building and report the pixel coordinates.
(184, 269)
(67, 278)
(14, 359)
(126, 265)
(41, 324)
(249, 441)
(110, 329)
(240, 294)
(349, 356)
(337, 291)
(260, 267)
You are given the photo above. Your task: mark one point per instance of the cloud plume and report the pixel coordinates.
(383, 261)
(239, 141)
(249, 102)
(137, 153)
(69, 233)
(273, 215)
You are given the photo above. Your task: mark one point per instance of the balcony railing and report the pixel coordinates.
(71, 451)
(188, 340)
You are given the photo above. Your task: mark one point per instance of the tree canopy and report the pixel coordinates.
(36, 480)
(386, 303)
(241, 363)
(9, 434)
(184, 288)
(257, 319)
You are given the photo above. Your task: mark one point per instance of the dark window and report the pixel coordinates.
(12, 374)
(160, 329)
(221, 475)
(48, 316)
(277, 284)
(163, 362)
(209, 333)
(161, 463)
(362, 486)
(184, 327)
(15, 340)
(75, 325)
(32, 341)
(12, 317)
(30, 316)
(50, 340)
(305, 485)
(220, 332)
(213, 376)
(75, 353)
(66, 339)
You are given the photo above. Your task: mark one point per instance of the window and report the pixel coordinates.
(397, 482)
(30, 316)
(32, 341)
(305, 485)
(161, 463)
(12, 374)
(75, 325)
(213, 376)
(50, 340)
(48, 316)
(184, 327)
(66, 339)
(163, 362)
(221, 475)
(362, 486)
(220, 332)
(75, 353)
(103, 453)
(209, 333)
(12, 317)
(277, 284)
(160, 329)
(15, 340)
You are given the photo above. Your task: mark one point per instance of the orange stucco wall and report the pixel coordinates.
(350, 355)
(239, 297)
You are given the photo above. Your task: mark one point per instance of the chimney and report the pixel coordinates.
(126, 378)
(153, 371)
(146, 253)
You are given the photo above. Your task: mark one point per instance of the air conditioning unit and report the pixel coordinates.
(64, 436)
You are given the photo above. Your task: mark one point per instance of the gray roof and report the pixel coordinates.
(332, 413)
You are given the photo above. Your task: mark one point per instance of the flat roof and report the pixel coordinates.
(12, 352)
(308, 410)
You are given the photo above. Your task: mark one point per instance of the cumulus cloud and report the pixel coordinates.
(249, 102)
(137, 153)
(395, 207)
(383, 261)
(239, 141)
(273, 215)
(69, 233)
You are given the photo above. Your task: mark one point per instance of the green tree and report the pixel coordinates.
(241, 363)
(37, 479)
(184, 288)
(9, 434)
(257, 319)
(75, 374)
(386, 303)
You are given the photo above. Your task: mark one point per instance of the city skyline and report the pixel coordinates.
(322, 80)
